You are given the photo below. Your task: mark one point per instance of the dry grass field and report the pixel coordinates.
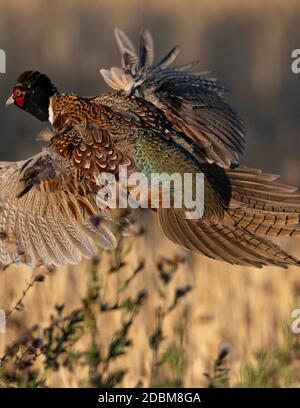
(248, 45)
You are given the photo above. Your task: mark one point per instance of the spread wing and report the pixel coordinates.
(46, 206)
(194, 103)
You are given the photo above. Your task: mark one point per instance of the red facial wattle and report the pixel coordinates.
(19, 97)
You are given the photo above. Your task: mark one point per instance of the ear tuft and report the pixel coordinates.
(35, 80)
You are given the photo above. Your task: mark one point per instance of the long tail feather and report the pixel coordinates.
(262, 205)
(231, 243)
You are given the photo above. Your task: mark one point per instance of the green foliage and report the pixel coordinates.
(30, 360)
(219, 376)
(169, 367)
(274, 368)
(176, 358)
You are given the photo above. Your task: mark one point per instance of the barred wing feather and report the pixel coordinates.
(43, 219)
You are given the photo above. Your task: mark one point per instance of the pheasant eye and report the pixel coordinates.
(18, 93)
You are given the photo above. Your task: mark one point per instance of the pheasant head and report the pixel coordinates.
(32, 93)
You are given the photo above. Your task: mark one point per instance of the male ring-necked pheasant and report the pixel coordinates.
(157, 119)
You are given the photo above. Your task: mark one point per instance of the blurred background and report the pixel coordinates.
(248, 46)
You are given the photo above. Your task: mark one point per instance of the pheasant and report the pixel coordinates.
(156, 120)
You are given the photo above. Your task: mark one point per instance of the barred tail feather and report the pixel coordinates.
(263, 206)
(226, 242)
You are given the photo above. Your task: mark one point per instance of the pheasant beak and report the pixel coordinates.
(9, 101)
